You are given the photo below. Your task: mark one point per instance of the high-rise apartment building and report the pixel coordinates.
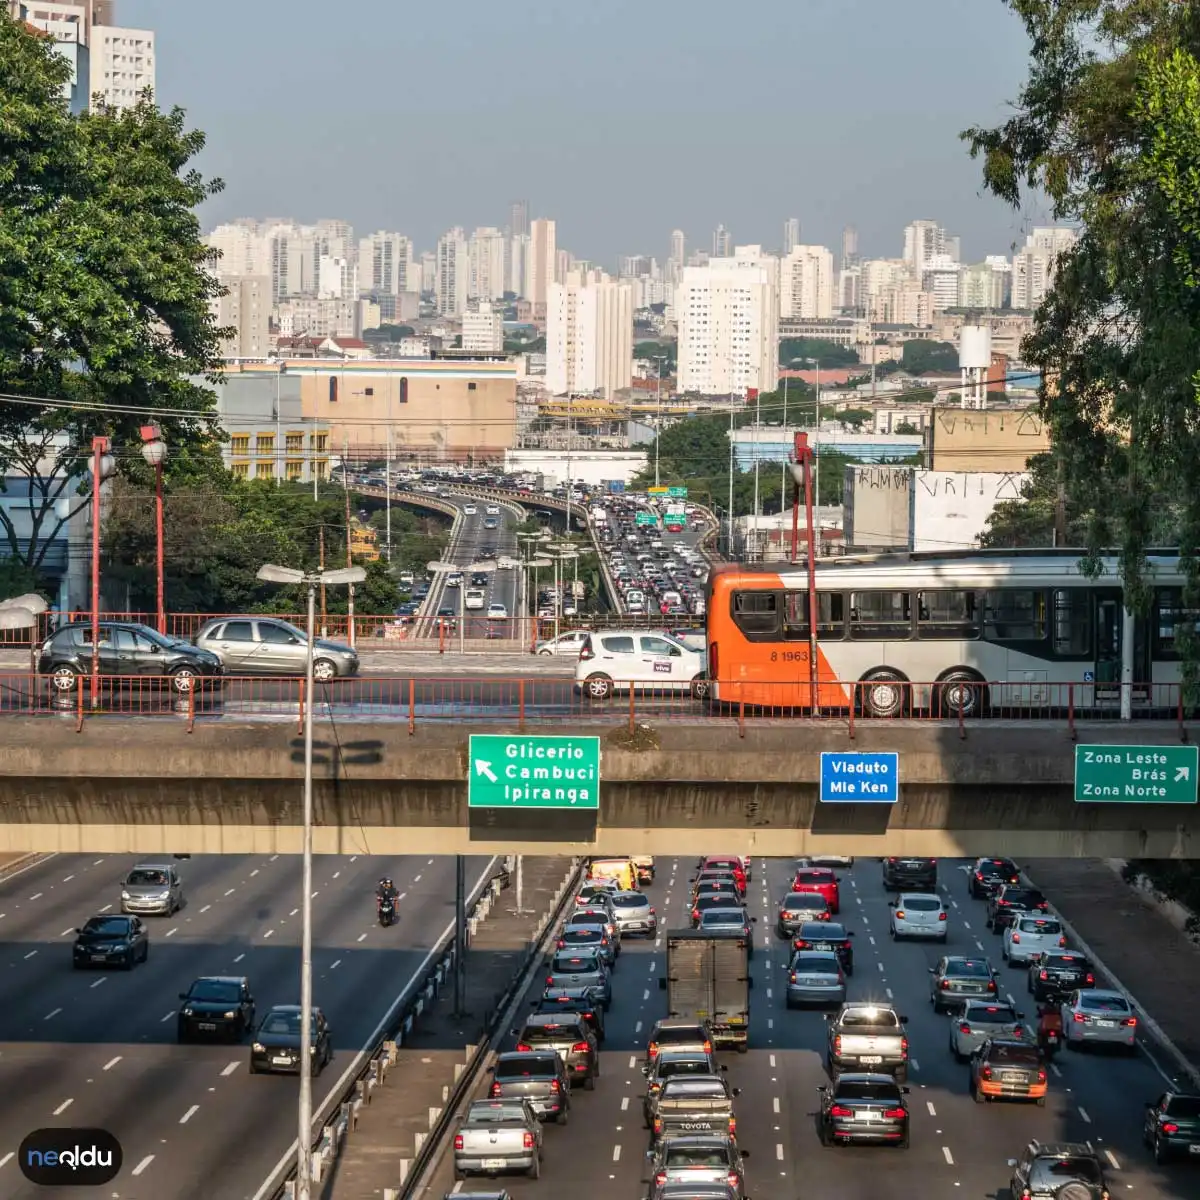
(791, 235)
(806, 282)
(727, 313)
(242, 247)
(875, 274)
(543, 261)
(452, 284)
(987, 284)
(291, 259)
(902, 303)
(429, 271)
(941, 278)
(516, 271)
(518, 219)
(337, 278)
(922, 241)
(678, 247)
(589, 335)
(722, 242)
(849, 246)
(849, 293)
(1035, 265)
(385, 264)
(482, 327)
(121, 64)
(245, 310)
(487, 252)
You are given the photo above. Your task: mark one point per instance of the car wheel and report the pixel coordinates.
(127, 965)
(823, 1135)
(976, 1094)
(589, 1083)
(564, 1115)
(903, 1143)
(183, 680)
(146, 952)
(902, 1075)
(1160, 1151)
(181, 1035)
(324, 670)
(598, 687)
(892, 932)
(884, 694)
(64, 680)
(253, 1068)
(535, 1169)
(545, 653)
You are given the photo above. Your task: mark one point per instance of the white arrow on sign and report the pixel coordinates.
(485, 769)
(1182, 773)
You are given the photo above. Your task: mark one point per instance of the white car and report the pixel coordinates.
(493, 510)
(918, 915)
(497, 610)
(569, 643)
(475, 598)
(1028, 937)
(1097, 1015)
(618, 659)
(470, 510)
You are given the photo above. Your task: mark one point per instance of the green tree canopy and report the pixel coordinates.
(1107, 125)
(824, 353)
(104, 292)
(667, 349)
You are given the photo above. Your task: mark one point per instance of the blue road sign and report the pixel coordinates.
(853, 778)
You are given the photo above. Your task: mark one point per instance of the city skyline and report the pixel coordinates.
(573, 138)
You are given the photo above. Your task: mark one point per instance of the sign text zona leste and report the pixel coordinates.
(533, 771)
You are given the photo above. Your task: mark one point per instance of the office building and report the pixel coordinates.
(791, 235)
(589, 335)
(245, 310)
(849, 247)
(722, 242)
(482, 327)
(385, 264)
(452, 281)
(727, 314)
(543, 262)
(486, 252)
(518, 219)
(806, 282)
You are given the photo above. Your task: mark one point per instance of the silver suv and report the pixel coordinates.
(269, 646)
(152, 888)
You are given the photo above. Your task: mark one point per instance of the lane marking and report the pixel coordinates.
(932, 1110)
(333, 966)
(169, 1015)
(66, 931)
(779, 1151)
(638, 1027)
(1112, 1158)
(68, 879)
(770, 1022)
(624, 1103)
(99, 981)
(336, 874)
(871, 939)
(979, 943)
(1086, 1119)
(30, 955)
(6, 1158)
(239, 958)
(191, 1112)
(273, 858)
(112, 1062)
(37, 896)
(206, 908)
(254, 872)
(231, 891)
(362, 937)
(889, 993)
(62, 1108)
(268, 933)
(775, 1104)
(229, 1070)
(172, 932)
(768, 993)
(966, 924)
(948, 1156)
(293, 912)
(416, 879)
(54, 1013)
(143, 1164)
(616, 1154)
(632, 1062)
(879, 965)
(646, 994)
(772, 1060)
(1057, 1072)
(106, 908)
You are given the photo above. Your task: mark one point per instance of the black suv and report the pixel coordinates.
(1057, 973)
(1066, 1170)
(989, 875)
(216, 1004)
(910, 874)
(126, 649)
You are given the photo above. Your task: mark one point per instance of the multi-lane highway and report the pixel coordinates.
(958, 1148)
(79, 1048)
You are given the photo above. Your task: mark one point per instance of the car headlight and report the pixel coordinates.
(230, 1015)
(124, 895)
(259, 1048)
(163, 896)
(187, 1012)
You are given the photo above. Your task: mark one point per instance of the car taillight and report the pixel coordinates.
(555, 1086)
(586, 651)
(840, 1110)
(1026, 1194)
(653, 911)
(1043, 974)
(945, 985)
(900, 913)
(661, 1177)
(986, 1072)
(891, 860)
(1130, 1021)
(604, 941)
(1091, 978)
(893, 1114)
(562, 945)
(458, 1141)
(904, 1046)
(799, 944)
(732, 1179)
(1062, 941)
(941, 916)
(1170, 1127)
(658, 1126)
(526, 1141)
(783, 914)
(991, 987)
(1041, 1075)
(837, 1044)
(1016, 937)
(653, 1050)
(964, 1028)
(524, 1046)
(733, 1124)
(495, 1089)
(793, 977)
(580, 1048)
(1078, 1018)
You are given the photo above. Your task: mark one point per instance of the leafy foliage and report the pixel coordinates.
(824, 353)
(668, 350)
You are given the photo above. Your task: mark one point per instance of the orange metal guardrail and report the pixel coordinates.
(539, 699)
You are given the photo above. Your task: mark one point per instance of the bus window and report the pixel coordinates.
(1073, 623)
(1171, 620)
(880, 616)
(831, 616)
(947, 615)
(1014, 615)
(756, 614)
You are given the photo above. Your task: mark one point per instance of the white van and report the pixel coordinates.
(475, 598)
(617, 659)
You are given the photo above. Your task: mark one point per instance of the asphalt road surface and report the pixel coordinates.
(958, 1148)
(79, 1048)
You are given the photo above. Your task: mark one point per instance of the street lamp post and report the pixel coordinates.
(154, 451)
(102, 467)
(270, 573)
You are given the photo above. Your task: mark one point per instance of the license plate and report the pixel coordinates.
(867, 1114)
(207, 1025)
(1013, 1077)
(494, 1164)
(99, 958)
(281, 1060)
(871, 1058)
(822, 946)
(1107, 1024)
(1194, 1149)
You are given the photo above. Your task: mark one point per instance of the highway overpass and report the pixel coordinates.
(233, 787)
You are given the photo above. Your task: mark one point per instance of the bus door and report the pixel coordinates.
(1108, 622)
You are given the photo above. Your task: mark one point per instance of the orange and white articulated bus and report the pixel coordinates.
(963, 631)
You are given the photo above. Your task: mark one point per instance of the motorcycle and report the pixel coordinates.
(387, 912)
(1050, 1041)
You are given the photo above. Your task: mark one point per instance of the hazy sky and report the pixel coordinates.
(622, 119)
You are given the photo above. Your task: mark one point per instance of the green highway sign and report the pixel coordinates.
(681, 492)
(646, 518)
(1136, 774)
(516, 771)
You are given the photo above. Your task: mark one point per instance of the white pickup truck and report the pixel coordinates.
(498, 1135)
(867, 1037)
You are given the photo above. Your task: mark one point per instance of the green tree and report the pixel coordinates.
(856, 418)
(104, 288)
(387, 333)
(918, 357)
(666, 349)
(906, 427)
(825, 354)
(1030, 521)
(1107, 125)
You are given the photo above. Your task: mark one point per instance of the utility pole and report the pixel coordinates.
(349, 554)
(321, 570)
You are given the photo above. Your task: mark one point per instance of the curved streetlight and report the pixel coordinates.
(270, 573)
(154, 451)
(104, 466)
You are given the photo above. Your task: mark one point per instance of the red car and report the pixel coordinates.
(726, 862)
(822, 881)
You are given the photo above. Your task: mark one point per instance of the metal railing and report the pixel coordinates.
(544, 699)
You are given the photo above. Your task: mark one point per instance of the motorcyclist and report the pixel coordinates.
(386, 890)
(1049, 1022)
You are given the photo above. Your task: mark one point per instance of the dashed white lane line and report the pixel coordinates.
(171, 932)
(336, 874)
(889, 993)
(68, 879)
(143, 1164)
(871, 939)
(775, 1104)
(632, 1061)
(254, 872)
(428, 864)
(53, 1013)
(239, 958)
(106, 908)
(912, 1062)
(268, 933)
(97, 862)
(772, 1060)
(112, 1062)
(402, 895)
(1057, 1072)
(879, 965)
(616, 1154)
(169, 1015)
(206, 908)
(932, 1110)
(231, 891)
(624, 1103)
(646, 994)
(333, 966)
(416, 879)
(779, 1151)
(638, 1027)
(1086, 1119)
(362, 937)
(30, 955)
(293, 912)
(229, 1070)
(37, 895)
(768, 993)
(948, 1156)
(979, 943)
(1112, 1158)
(99, 981)
(5, 1159)
(62, 1108)
(273, 858)
(187, 1116)
(770, 1022)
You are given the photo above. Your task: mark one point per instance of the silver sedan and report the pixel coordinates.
(978, 1021)
(1099, 1017)
(815, 977)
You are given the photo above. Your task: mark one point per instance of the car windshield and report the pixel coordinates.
(144, 878)
(814, 875)
(705, 1089)
(555, 1032)
(854, 1089)
(804, 900)
(1184, 1106)
(569, 965)
(490, 1113)
(990, 1014)
(632, 900)
(968, 968)
(582, 933)
(823, 931)
(815, 964)
(216, 991)
(1113, 1004)
(1021, 897)
(873, 1018)
(688, 1033)
(922, 903)
(695, 1156)
(527, 1065)
(1031, 925)
(107, 926)
(722, 916)
(683, 1066)
(1069, 1167)
(280, 1023)
(1006, 1052)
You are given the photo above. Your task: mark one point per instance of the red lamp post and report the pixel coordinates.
(802, 476)
(154, 451)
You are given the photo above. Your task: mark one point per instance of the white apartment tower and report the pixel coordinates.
(245, 310)
(482, 328)
(987, 284)
(242, 247)
(121, 64)
(922, 241)
(543, 260)
(487, 254)
(722, 242)
(385, 264)
(1035, 265)
(589, 335)
(791, 234)
(727, 314)
(806, 283)
(453, 273)
(941, 278)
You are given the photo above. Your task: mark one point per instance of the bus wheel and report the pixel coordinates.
(700, 688)
(960, 692)
(884, 694)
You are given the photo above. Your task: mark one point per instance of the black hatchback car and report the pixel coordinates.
(111, 941)
(864, 1108)
(989, 875)
(128, 650)
(1058, 973)
(214, 1005)
(277, 1047)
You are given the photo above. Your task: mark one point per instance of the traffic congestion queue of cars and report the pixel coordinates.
(557, 1051)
